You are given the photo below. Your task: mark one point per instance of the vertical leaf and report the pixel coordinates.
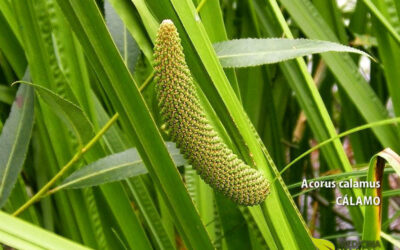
(86, 21)
(373, 213)
(14, 140)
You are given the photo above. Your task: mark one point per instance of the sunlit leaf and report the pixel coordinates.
(253, 52)
(19, 234)
(114, 167)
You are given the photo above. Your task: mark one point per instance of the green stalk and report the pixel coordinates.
(64, 169)
(348, 132)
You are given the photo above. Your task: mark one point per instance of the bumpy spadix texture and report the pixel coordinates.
(188, 126)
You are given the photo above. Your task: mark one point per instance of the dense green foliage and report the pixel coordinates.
(87, 152)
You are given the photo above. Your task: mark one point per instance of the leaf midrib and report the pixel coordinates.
(23, 114)
(98, 173)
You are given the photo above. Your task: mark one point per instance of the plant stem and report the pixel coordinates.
(348, 132)
(147, 81)
(64, 169)
(201, 4)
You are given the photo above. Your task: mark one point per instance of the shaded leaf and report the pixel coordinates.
(114, 167)
(252, 52)
(10, 45)
(127, 47)
(14, 140)
(7, 94)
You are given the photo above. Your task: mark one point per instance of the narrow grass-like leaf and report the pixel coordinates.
(343, 67)
(17, 198)
(71, 60)
(125, 10)
(348, 132)
(373, 213)
(284, 212)
(11, 47)
(86, 20)
(309, 99)
(115, 167)
(388, 51)
(14, 140)
(17, 233)
(391, 193)
(123, 40)
(151, 213)
(252, 52)
(383, 20)
(212, 18)
(151, 24)
(40, 51)
(7, 11)
(391, 239)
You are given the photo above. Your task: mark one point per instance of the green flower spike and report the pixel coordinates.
(188, 126)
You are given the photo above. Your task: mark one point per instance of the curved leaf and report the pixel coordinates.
(252, 52)
(373, 213)
(14, 140)
(23, 235)
(114, 167)
(87, 23)
(70, 113)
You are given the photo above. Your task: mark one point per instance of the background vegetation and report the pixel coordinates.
(81, 138)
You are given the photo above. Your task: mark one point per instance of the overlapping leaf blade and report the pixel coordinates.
(22, 235)
(86, 21)
(14, 140)
(114, 167)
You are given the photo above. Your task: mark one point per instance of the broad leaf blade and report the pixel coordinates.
(14, 140)
(112, 168)
(252, 52)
